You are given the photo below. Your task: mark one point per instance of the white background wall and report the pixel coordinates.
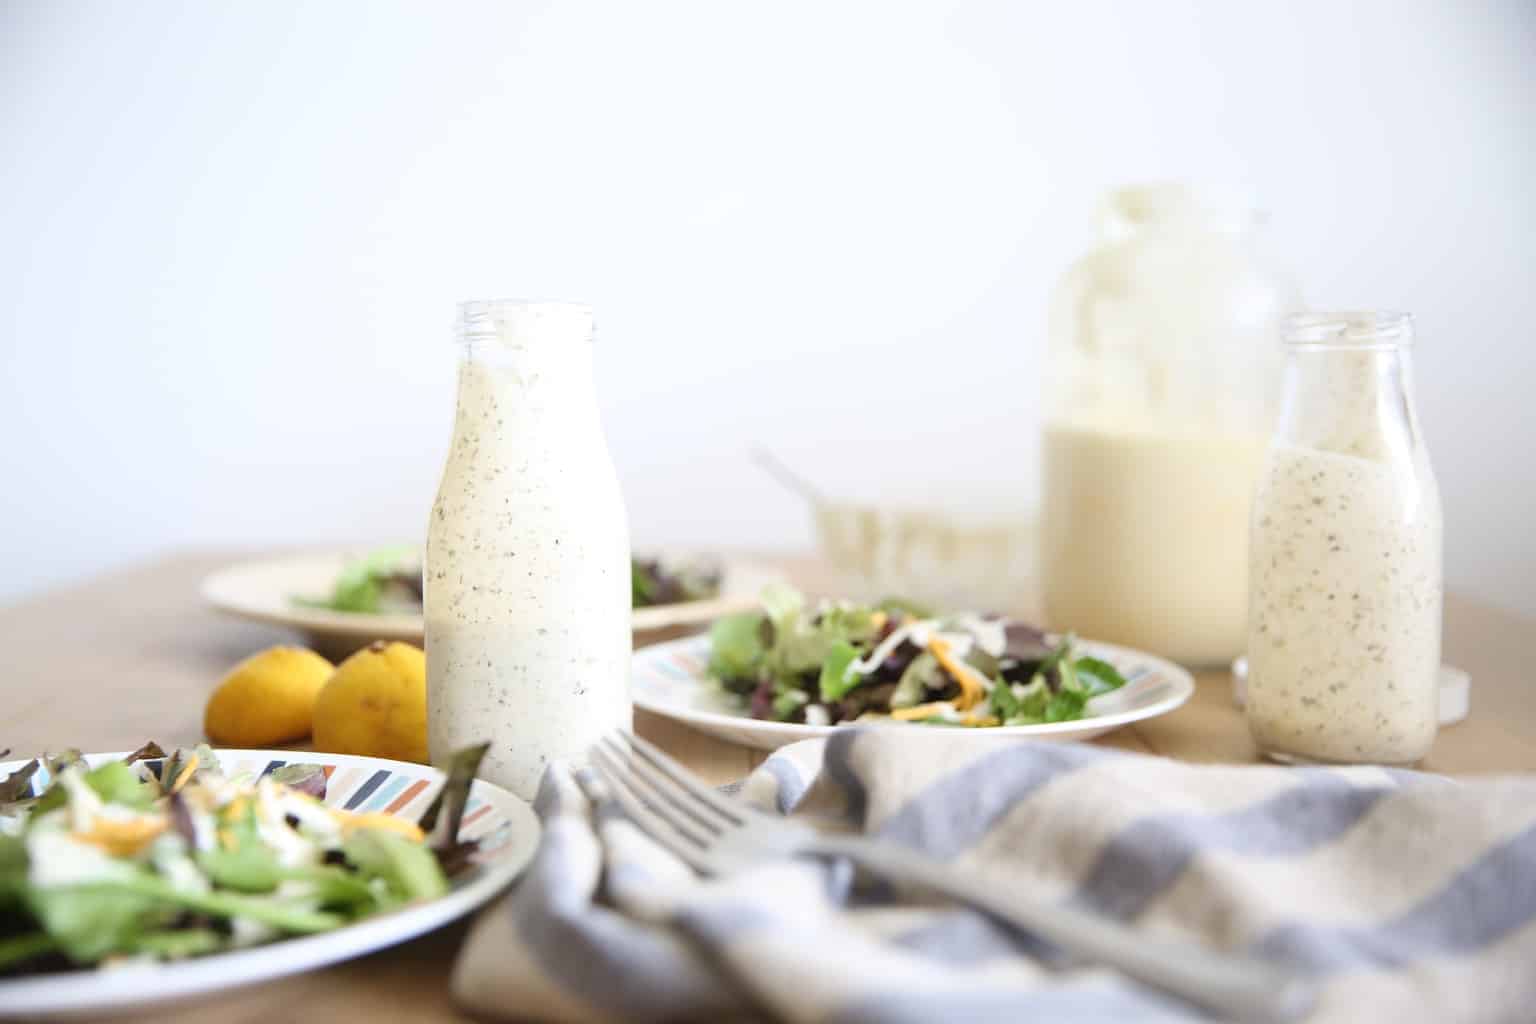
(231, 237)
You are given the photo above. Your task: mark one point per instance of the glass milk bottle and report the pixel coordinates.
(527, 579)
(1344, 620)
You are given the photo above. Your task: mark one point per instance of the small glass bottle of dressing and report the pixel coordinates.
(1345, 554)
(527, 574)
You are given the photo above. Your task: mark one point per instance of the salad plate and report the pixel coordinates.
(287, 591)
(506, 828)
(672, 679)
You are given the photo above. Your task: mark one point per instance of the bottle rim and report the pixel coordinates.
(519, 320)
(1352, 330)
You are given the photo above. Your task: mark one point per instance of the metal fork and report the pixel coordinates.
(717, 836)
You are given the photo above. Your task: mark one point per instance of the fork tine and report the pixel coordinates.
(731, 811)
(653, 824)
(662, 787)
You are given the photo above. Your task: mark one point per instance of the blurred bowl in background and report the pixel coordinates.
(943, 558)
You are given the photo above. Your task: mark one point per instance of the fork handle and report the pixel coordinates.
(1237, 987)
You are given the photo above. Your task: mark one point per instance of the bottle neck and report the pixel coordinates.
(1351, 400)
(504, 332)
(527, 344)
(525, 368)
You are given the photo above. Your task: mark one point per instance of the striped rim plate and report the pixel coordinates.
(507, 829)
(671, 679)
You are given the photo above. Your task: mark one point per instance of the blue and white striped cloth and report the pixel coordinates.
(1411, 896)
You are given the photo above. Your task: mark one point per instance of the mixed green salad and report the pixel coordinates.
(388, 581)
(159, 858)
(832, 662)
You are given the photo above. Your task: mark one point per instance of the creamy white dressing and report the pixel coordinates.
(527, 582)
(246, 932)
(1145, 537)
(1344, 631)
(84, 804)
(313, 817)
(883, 650)
(291, 849)
(991, 635)
(1344, 647)
(922, 633)
(168, 853)
(55, 858)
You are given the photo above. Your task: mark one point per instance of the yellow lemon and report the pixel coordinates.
(268, 698)
(375, 704)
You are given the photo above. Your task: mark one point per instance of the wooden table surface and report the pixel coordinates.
(132, 656)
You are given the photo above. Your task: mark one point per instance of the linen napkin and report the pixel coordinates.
(1410, 896)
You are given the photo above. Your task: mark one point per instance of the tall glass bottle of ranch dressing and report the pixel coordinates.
(1344, 617)
(527, 579)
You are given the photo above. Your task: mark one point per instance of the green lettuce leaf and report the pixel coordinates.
(1026, 704)
(923, 674)
(248, 864)
(782, 602)
(408, 868)
(736, 646)
(786, 703)
(837, 677)
(90, 921)
(339, 889)
(1003, 702)
(115, 782)
(289, 915)
(18, 949)
(641, 588)
(902, 606)
(1097, 676)
(1066, 705)
(177, 943)
(802, 646)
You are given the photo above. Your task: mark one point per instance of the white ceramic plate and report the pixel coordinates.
(264, 591)
(506, 826)
(669, 679)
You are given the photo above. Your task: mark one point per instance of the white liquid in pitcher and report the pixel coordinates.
(1145, 538)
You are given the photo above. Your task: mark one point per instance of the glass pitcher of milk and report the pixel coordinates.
(1159, 401)
(527, 574)
(1344, 633)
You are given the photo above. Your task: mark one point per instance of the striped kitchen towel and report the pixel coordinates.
(1412, 897)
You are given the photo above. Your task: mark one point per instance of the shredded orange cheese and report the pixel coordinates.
(185, 773)
(122, 838)
(917, 712)
(970, 690)
(388, 822)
